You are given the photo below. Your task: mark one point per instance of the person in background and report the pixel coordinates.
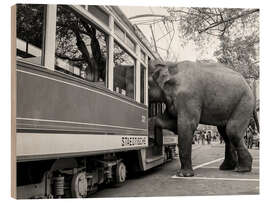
(195, 138)
(199, 137)
(203, 136)
(215, 137)
(208, 137)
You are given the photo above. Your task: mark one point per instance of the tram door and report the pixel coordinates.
(155, 134)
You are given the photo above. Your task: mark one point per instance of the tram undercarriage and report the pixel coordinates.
(80, 177)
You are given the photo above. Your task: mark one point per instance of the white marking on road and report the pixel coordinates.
(207, 163)
(196, 147)
(208, 178)
(218, 167)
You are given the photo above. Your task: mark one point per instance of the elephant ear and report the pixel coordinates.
(153, 65)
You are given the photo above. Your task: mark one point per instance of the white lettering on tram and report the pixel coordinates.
(133, 141)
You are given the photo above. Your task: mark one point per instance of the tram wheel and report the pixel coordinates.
(120, 174)
(79, 185)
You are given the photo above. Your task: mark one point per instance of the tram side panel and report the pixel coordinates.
(58, 117)
(71, 132)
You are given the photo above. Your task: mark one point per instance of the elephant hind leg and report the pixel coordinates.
(230, 160)
(235, 129)
(244, 157)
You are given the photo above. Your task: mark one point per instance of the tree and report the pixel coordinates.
(240, 54)
(80, 43)
(83, 45)
(236, 30)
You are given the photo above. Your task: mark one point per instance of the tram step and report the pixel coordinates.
(152, 159)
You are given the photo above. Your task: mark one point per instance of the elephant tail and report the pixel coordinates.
(255, 108)
(256, 119)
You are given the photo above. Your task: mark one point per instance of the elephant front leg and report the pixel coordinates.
(186, 128)
(185, 145)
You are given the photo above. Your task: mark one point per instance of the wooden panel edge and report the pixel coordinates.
(13, 102)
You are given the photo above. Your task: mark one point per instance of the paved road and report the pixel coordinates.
(208, 179)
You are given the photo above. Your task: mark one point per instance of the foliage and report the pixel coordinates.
(236, 30)
(240, 54)
(29, 23)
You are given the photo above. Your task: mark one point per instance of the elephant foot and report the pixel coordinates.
(227, 165)
(245, 161)
(185, 173)
(243, 169)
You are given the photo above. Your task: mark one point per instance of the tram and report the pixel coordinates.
(81, 101)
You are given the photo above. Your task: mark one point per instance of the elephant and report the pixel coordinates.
(204, 93)
(124, 79)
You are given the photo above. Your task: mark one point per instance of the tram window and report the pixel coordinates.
(99, 13)
(142, 100)
(156, 109)
(159, 108)
(143, 56)
(29, 30)
(81, 49)
(152, 109)
(124, 72)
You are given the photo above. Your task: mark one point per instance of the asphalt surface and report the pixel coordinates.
(208, 179)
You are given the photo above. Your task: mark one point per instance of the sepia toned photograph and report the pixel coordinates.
(134, 101)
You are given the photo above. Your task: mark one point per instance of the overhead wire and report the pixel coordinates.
(172, 37)
(158, 24)
(145, 22)
(170, 30)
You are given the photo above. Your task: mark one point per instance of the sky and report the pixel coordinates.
(170, 41)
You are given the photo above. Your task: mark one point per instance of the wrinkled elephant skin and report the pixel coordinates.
(206, 93)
